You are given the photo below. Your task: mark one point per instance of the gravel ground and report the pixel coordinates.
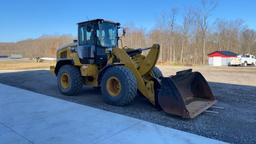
(235, 89)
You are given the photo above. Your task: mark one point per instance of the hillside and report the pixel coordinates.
(42, 46)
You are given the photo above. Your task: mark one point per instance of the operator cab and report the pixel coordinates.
(95, 39)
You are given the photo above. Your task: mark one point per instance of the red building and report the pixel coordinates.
(221, 58)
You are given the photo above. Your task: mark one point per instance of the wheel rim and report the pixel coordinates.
(113, 86)
(65, 80)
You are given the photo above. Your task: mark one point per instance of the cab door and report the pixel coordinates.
(86, 43)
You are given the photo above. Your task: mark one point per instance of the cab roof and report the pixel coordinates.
(97, 20)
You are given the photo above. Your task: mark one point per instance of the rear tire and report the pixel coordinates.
(118, 86)
(69, 80)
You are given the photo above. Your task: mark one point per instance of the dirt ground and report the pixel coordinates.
(19, 64)
(229, 75)
(234, 88)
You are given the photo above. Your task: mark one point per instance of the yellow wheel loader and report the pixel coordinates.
(121, 73)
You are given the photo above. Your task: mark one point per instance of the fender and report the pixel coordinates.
(105, 68)
(62, 62)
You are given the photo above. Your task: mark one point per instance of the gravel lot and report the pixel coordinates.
(235, 89)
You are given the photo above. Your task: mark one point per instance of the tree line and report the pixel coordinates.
(44, 46)
(186, 37)
(197, 35)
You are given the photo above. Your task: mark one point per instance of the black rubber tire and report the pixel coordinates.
(128, 86)
(245, 64)
(157, 73)
(76, 81)
(97, 88)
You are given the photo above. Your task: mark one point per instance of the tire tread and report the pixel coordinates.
(77, 82)
(132, 86)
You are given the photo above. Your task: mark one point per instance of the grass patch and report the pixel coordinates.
(23, 64)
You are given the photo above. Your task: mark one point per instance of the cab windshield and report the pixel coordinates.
(107, 35)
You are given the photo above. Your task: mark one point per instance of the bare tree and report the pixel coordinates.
(172, 21)
(207, 7)
(248, 40)
(187, 28)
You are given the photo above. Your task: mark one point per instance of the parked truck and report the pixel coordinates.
(243, 60)
(247, 59)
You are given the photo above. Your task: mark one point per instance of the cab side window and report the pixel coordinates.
(85, 35)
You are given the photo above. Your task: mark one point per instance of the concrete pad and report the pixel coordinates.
(8, 136)
(149, 133)
(42, 119)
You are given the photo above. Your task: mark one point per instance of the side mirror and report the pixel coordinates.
(74, 41)
(121, 32)
(124, 31)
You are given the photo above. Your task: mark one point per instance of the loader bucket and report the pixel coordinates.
(187, 94)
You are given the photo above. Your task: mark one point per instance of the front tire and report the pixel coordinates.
(69, 80)
(118, 86)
